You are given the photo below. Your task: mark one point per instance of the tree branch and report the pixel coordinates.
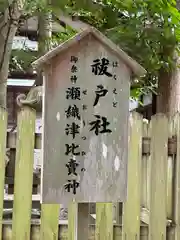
(62, 23)
(73, 22)
(5, 47)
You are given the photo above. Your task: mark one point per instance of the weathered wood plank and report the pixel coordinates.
(83, 221)
(109, 149)
(23, 175)
(145, 217)
(49, 221)
(170, 170)
(131, 216)
(145, 175)
(170, 177)
(176, 210)
(158, 192)
(117, 212)
(104, 221)
(3, 127)
(72, 221)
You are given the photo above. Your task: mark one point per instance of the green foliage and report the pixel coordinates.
(148, 30)
(21, 60)
(3, 5)
(63, 36)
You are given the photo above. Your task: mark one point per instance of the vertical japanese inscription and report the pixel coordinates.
(73, 150)
(115, 64)
(100, 67)
(98, 124)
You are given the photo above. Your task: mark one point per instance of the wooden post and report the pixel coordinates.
(131, 208)
(83, 221)
(104, 221)
(171, 167)
(3, 129)
(176, 209)
(78, 221)
(10, 169)
(145, 174)
(23, 175)
(158, 192)
(72, 221)
(49, 221)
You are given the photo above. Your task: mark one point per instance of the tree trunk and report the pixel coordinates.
(8, 27)
(44, 35)
(168, 98)
(9, 20)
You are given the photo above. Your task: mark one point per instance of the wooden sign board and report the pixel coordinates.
(85, 121)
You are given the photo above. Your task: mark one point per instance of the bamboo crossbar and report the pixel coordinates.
(146, 141)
